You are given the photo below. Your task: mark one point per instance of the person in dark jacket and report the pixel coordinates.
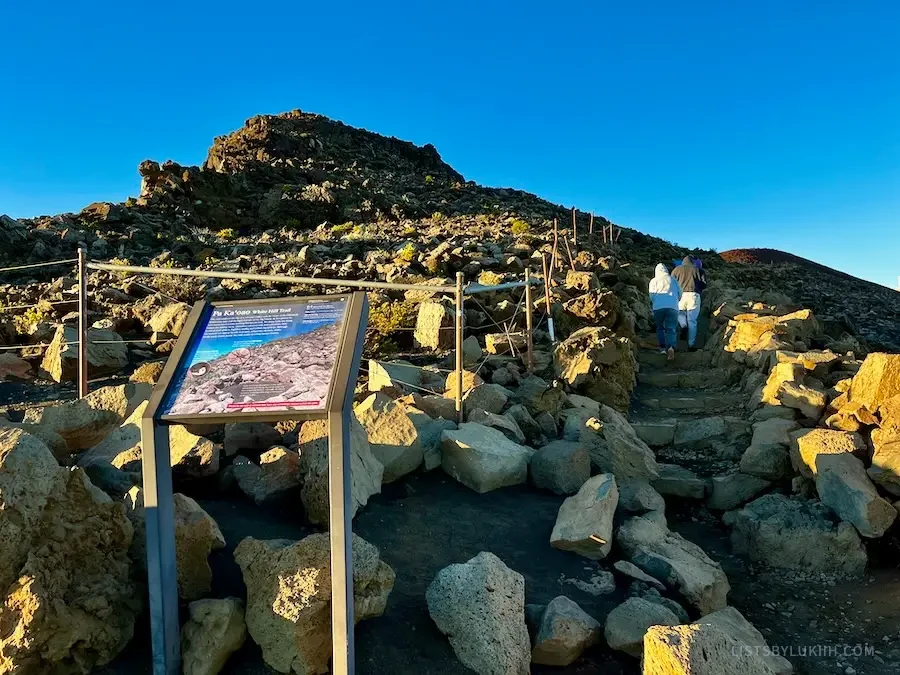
(692, 281)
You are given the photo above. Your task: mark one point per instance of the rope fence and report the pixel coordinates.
(460, 290)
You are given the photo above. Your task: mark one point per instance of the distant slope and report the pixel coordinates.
(840, 300)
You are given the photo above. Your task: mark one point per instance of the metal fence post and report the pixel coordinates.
(460, 326)
(82, 323)
(547, 299)
(529, 321)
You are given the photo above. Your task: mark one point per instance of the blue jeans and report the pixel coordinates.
(666, 327)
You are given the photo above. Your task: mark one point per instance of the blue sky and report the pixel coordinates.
(713, 124)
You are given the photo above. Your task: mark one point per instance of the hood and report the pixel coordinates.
(662, 270)
(687, 260)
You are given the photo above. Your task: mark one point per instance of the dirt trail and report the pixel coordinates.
(846, 628)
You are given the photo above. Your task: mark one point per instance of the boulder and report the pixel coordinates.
(561, 467)
(807, 445)
(584, 523)
(216, 629)
(793, 533)
(169, 319)
(197, 535)
(780, 375)
(430, 433)
(434, 326)
(365, 470)
(626, 624)
(613, 445)
(598, 364)
(107, 354)
(676, 481)
(147, 373)
(844, 487)
(249, 437)
(768, 456)
(277, 474)
(469, 380)
(637, 574)
(885, 469)
(809, 401)
(85, 422)
(732, 622)
(698, 649)
(14, 368)
(675, 561)
(69, 600)
(437, 406)
(877, 380)
(483, 458)
(523, 419)
(582, 280)
(394, 377)
(191, 455)
(637, 496)
(471, 350)
(393, 437)
(729, 492)
(289, 597)
(596, 307)
(537, 395)
(564, 632)
(502, 423)
(488, 397)
(480, 606)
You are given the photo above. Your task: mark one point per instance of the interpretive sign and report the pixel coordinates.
(262, 356)
(255, 360)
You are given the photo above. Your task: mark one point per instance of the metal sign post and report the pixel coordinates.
(197, 355)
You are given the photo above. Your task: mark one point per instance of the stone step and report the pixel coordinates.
(683, 359)
(700, 378)
(693, 402)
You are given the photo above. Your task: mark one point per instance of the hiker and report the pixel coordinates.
(692, 279)
(664, 296)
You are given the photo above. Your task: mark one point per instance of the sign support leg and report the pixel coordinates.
(340, 485)
(162, 576)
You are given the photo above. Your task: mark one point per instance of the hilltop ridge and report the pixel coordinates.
(278, 180)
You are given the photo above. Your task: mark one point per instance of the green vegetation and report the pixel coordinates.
(389, 323)
(408, 252)
(227, 234)
(342, 229)
(429, 180)
(25, 322)
(437, 217)
(519, 227)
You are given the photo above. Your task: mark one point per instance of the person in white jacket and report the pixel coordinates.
(665, 293)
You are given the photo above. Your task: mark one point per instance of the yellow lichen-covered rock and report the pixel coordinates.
(196, 536)
(72, 600)
(698, 649)
(877, 380)
(289, 597)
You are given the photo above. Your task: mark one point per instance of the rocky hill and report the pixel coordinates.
(285, 181)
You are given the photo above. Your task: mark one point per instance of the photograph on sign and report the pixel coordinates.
(259, 357)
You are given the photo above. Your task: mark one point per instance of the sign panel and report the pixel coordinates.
(264, 356)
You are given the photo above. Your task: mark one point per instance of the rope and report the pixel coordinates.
(405, 384)
(32, 266)
(38, 304)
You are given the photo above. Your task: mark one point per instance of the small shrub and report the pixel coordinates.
(120, 261)
(437, 217)
(407, 253)
(342, 229)
(519, 227)
(227, 233)
(410, 232)
(25, 322)
(391, 316)
(429, 180)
